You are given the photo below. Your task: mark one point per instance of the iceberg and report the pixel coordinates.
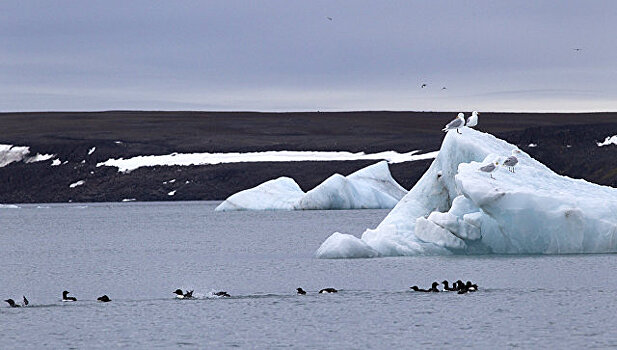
(457, 209)
(369, 188)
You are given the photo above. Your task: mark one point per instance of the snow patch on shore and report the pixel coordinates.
(187, 159)
(10, 154)
(610, 140)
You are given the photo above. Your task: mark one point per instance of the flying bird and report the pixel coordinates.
(577, 50)
(423, 86)
(457, 123)
(329, 18)
(443, 88)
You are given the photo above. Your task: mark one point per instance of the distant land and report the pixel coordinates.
(566, 142)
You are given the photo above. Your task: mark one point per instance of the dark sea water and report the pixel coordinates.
(138, 253)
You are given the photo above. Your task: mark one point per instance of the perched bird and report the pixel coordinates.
(104, 299)
(489, 168)
(446, 287)
(26, 302)
(301, 291)
(328, 290)
(423, 85)
(11, 303)
(473, 119)
(455, 124)
(65, 297)
(511, 161)
(222, 294)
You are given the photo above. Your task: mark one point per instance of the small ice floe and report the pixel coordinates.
(610, 140)
(118, 142)
(129, 200)
(91, 150)
(8, 206)
(568, 146)
(78, 183)
(56, 162)
(532, 145)
(187, 182)
(169, 182)
(171, 193)
(83, 161)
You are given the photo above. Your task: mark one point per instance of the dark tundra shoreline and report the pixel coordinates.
(566, 142)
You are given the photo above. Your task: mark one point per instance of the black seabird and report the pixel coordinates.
(301, 291)
(416, 289)
(222, 294)
(434, 288)
(65, 297)
(11, 303)
(180, 295)
(328, 290)
(448, 288)
(104, 299)
(26, 302)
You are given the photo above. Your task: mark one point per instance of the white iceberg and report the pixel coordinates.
(455, 208)
(369, 188)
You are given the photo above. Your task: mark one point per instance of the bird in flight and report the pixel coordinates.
(577, 50)
(329, 18)
(443, 88)
(423, 86)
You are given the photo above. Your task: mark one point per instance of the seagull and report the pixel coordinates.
(457, 123)
(473, 119)
(510, 162)
(423, 85)
(489, 168)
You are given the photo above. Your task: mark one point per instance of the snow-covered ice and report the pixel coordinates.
(610, 140)
(91, 150)
(186, 159)
(368, 188)
(455, 208)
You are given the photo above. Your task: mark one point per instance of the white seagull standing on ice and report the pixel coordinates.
(473, 119)
(457, 123)
(489, 168)
(511, 161)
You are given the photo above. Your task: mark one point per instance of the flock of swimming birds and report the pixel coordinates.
(460, 121)
(458, 286)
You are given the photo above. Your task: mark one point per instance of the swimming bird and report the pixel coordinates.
(457, 123)
(473, 119)
(510, 162)
(11, 303)
(459, 284)
(222, 294)
(65, 297)
(301, 291)
(26, 302)
(472, 287)
(104, 299)
(489, 168)
(416, 289)
(328, 290)
(180, 295)
(434, 288)
(446, 287)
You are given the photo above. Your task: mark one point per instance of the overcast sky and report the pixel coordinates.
(287, 55)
